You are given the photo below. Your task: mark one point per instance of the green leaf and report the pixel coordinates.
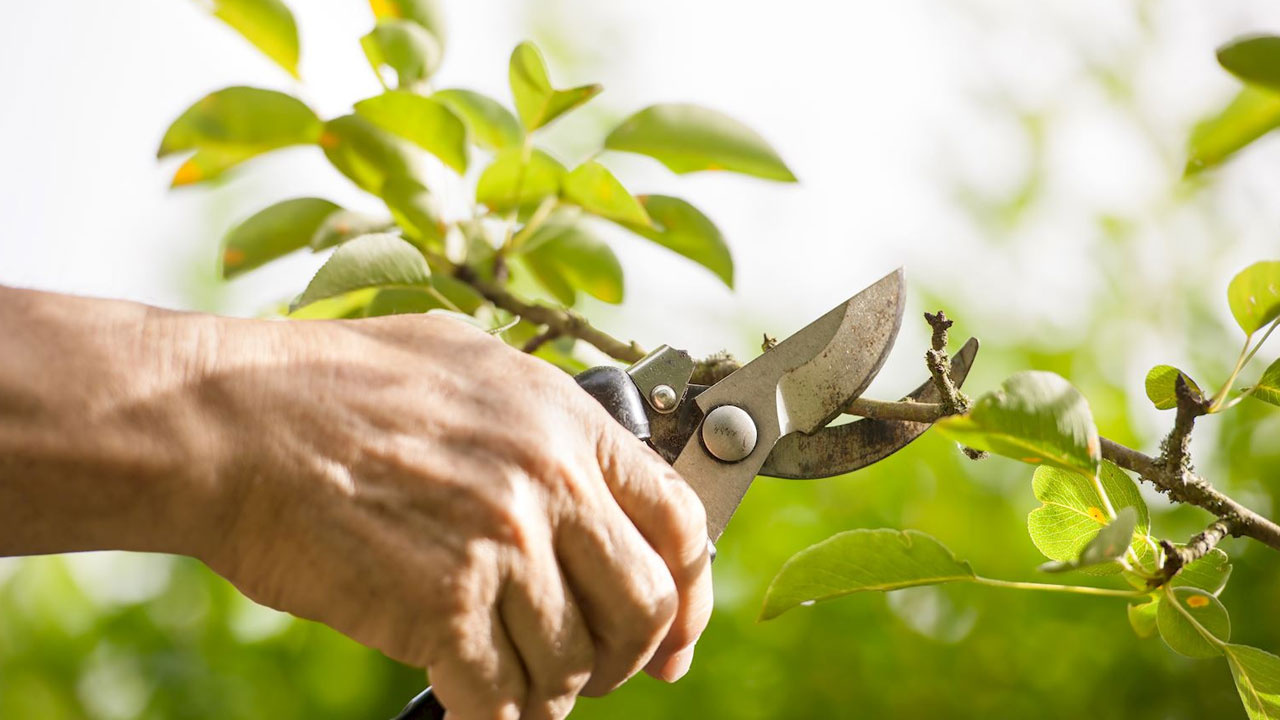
(367, 154)
(425, 122)
(490, 124)
(1257, 676)
(1186, 637)
(414, 210)
(1253, 112)
(404, 46)
(273, 232)
(234, 124)
(536, 101)
(343, 225)
(1073, 512)
(347, 305)
(369, 261)
(688, 138)
(1161, 383)
(593, 188)
(1254, 59)
(566, 258)
(1108, 544)
(402, 301)
(1142, 617)
(1035, 417)
(267, 24)
(426, 13)
(682, 228)
(1209, 573)
(1267, 389)
(462, 295)
(511, 182)
(208, 165)
(1254, 295)
(858, 561)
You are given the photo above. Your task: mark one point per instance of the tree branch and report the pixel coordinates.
(954, 402)
(561, 322)
(1184, 487)
(1176, 558)
(1171, 473)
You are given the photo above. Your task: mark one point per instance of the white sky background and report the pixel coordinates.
(879, 107)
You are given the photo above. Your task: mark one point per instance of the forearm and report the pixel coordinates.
(103, 439)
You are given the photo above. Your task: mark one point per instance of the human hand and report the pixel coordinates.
(435, 494)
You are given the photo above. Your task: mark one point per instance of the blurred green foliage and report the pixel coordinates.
(113, 636)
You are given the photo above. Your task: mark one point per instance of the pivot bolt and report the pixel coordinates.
(729, 433)
(663, 398)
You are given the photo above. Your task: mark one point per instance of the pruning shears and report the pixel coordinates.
(769, 417)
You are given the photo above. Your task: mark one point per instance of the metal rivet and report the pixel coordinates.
(729, 433)
(663, 398)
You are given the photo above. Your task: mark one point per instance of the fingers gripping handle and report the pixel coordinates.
(613, 389)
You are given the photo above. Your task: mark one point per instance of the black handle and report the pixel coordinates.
(613, 389)
(424, 707)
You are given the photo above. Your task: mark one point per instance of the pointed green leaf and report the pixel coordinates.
(1253, 112)
(273, 232)
(510, 182)
(536, 101)
(1184, 617)
(687, 138)
(1267, 389)
(1108, 544)
(344, 225)
(370, 261)
(427, 13)
(1142, 618)
(858, 561)
(428, 124)
(1254, 59)
(1254, 295)
(402, 301)
(1257, 676)
(234, 124)
(1073, 512)
(593, 188)
(1036, 417)
(1160, 384)
(405, 47)
(268, 24)
(414, 210)
(346, 305)
(490, 125)
(463, 296)
(682, 228)
(565, 257)
(208, 164)
(366, 153)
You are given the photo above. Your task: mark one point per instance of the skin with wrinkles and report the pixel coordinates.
(410, 481)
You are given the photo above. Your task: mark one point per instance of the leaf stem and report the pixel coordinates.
(1049, 587)
(1244, 356)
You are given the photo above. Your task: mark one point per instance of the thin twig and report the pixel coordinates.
(563, 322)
(1176, 558)
(954, 401)
(539, 340)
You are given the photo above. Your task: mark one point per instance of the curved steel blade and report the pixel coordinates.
(799, 385)
(841, 449)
